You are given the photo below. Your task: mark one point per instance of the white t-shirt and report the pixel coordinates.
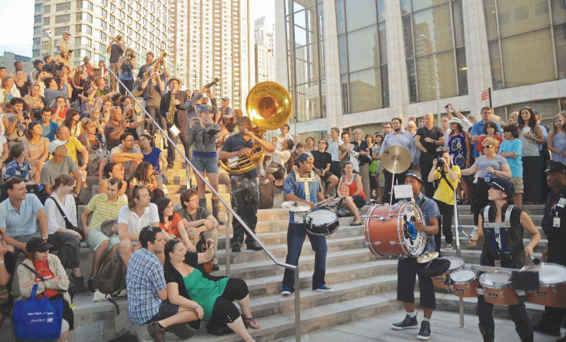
(55, 220)
(136, 223)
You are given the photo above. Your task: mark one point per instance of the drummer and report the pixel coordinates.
(554, 226)
(303, 185)
(408, 266)
(507, 247)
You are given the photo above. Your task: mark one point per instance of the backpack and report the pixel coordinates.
(110, 277)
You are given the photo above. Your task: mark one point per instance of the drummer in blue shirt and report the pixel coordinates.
(304, 186)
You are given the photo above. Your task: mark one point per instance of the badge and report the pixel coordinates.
(556, 222)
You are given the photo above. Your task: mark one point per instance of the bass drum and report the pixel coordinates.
(390, 230)
(321, 222)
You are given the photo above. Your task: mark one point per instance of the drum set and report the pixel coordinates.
(321, 220)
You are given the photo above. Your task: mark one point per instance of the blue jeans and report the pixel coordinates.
(295, 237)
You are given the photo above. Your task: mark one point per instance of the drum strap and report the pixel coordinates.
(306, 181)
(498, 228)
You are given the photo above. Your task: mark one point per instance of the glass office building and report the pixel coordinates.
(358, 63)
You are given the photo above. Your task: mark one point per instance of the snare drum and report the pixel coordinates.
(464, 283)
(497, 288)
(321, 222)
(442, 281)
(390, 231)
(552, 289)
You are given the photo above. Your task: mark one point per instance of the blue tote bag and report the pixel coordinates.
(38, 318)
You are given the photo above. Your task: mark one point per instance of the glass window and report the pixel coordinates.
(59, 19)
(435, 49)
(363, 56)
(521, 41)
(63, 6)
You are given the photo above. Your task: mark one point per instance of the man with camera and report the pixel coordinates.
(448, 177)
(115, 49)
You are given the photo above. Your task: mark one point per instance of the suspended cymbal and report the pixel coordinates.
(396, 159)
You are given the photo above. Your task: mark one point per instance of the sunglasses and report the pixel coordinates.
(486, 146)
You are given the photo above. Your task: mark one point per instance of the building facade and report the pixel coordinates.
(178, 38)
(358, 63)
(94, 23)
(264, 51)
(220, 45)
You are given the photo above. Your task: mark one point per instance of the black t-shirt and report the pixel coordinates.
(363, 146)
(321, 159)
(434, 133)
(235, 143)
(115, 53)
(555, 208)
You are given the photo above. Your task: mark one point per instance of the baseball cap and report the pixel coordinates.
(415, 174)
(37, 245)
(504, 185)
(555, 166)
(54, 144)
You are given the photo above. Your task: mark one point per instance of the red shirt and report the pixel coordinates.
(172, 229)
(42, 267)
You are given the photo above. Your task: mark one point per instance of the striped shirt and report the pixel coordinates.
(103, 209)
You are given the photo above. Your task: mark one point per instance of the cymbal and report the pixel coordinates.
(396, 159)
(295, 206)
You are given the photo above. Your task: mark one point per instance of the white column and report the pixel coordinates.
(281, 67)
(477, 53)
(333, 86)
(396, 60)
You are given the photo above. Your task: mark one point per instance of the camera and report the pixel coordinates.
(440, 162)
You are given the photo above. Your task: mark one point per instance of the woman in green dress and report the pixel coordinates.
(210, 297)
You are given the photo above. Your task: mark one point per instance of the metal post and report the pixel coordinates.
(459, 254)
(228, 220)
(297, 306)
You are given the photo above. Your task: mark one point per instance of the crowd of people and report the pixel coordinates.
(73, 136)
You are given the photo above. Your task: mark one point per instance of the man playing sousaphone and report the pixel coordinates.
(409, 266)
(303, 185)
(243, 187)
(501, 224)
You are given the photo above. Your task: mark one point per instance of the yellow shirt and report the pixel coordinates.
(443, 192)
(72, 144)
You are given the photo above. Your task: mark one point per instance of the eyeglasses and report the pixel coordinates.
(486, 146)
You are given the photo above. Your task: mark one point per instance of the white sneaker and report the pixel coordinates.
(98, 296)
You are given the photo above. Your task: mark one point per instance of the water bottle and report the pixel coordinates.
(487, 177)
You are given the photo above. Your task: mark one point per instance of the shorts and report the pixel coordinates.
(166, 310)
(359, 201)
(95, 238)
(518, 184)
(205, 164)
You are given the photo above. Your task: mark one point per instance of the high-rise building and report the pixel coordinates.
(220, 45)
(264, 51)
(178, 38)
(93, 23)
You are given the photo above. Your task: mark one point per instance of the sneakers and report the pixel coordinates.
(323, 288)
(236, 249)
(78, 284)
(408, 323)
(98, 296)
(424, 332)
(156, 332)
(254, 246)
(286, 292)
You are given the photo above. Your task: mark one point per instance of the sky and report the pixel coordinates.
(16, 23)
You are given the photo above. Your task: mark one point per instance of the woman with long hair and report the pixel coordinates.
(531, 136)
(459, 147)
(144, 175)
(210, 297)
(96, 152)
(34, 100)
(350, 189)
(72, 121)
(174, 224)
(37, 147)
(487, 166)
(490, 131)
(113, 170)
(557, 138)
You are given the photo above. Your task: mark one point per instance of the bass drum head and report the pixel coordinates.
(413, 242)
(495, 279)
(321, 222)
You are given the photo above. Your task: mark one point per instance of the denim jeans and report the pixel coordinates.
(296, 234)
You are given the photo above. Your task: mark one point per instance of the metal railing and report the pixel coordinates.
(230, 210)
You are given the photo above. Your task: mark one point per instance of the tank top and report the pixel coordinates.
(457, 149)
(353, 187)
(530, 147)
(204, 291)
(503, 240)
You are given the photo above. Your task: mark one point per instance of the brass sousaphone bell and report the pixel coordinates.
(269, 106)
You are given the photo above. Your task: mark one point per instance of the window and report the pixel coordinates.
(47, 9)
(60, 30)
(46, 20)
(434, 48)
(63, 6)
(305, 51)
(60, 19)
(364, 78)
(522, 35)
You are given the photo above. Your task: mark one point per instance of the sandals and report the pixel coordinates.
(354, 223)
(250, 322)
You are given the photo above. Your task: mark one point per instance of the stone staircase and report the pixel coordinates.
(362, 285)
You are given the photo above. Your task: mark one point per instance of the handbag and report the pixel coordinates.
(38, 318)
(68, 223)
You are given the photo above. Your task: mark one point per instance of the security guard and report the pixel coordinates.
(554, 226)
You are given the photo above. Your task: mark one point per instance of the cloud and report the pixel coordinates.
(16, 23)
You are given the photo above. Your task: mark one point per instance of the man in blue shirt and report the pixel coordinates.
(147, 290)
(401, 138)
(408, 267)
(478, 129)
(304, 186)
(49, 127)
(20, 215)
